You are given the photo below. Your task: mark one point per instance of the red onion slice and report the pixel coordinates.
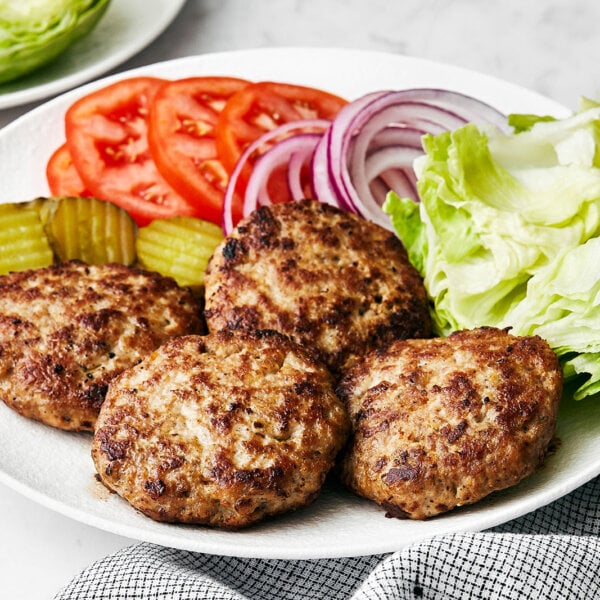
(385, 159)
(264, 141)
(321, 177)
(397, 180)
(354, 161)
(295, 152)
(399, 137)
(298, 163)
(364, 127)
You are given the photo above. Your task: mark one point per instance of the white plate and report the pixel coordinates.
(127, 27)
(55, 468)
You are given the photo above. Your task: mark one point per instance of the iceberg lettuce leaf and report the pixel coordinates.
(506, 233)
(35, 32)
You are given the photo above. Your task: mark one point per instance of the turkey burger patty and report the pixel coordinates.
(329, 279)
(222, 430)
(68, 329)
(443, 422)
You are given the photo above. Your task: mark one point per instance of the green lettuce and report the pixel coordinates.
(35, 32)
(506, 233)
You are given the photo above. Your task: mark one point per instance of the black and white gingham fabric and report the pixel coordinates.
(553, 553)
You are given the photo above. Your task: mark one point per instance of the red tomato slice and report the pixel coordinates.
(181, 134)
(263, 106)
(259, 108)
(107, 136)
(63, 178)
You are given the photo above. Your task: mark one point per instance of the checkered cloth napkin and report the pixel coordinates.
(552, 553)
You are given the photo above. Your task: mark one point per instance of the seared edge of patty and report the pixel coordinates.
(331, 280)
(68, 329)
(442, 423)
(222, 430)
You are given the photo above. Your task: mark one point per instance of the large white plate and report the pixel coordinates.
(55, 468)
(127, 27)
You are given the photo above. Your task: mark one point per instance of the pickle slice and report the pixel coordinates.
(23, 243)
(89, 229)
(179, 247)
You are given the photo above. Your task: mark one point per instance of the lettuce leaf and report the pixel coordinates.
(35, 32)
(506, 233)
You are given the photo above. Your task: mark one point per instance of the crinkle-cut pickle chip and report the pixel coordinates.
(88, 229)
(179, 247)
(23, 243)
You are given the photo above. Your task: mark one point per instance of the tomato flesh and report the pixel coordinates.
(62, 176)
(107, 137)
(263, 106)
(159, 148)
(181, 135)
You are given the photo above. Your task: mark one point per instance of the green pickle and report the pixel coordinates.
(23, 243)
(88, 229)
(179, 247)
(56, 229)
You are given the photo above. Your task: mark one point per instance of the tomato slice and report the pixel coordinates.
(263, 106)
(181, 134)
(107, 136)
(62, 176)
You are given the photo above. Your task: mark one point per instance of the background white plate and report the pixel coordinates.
(55, 468)
(127, 27)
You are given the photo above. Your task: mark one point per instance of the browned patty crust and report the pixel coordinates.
(442, 423)
(67, 330)
(222, 430)
(327, 278)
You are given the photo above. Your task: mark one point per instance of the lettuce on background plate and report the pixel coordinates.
(506, 233)
(34, 32)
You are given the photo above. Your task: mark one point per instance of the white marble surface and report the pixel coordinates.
(551, 46)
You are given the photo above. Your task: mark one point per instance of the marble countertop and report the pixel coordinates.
(549, 46)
